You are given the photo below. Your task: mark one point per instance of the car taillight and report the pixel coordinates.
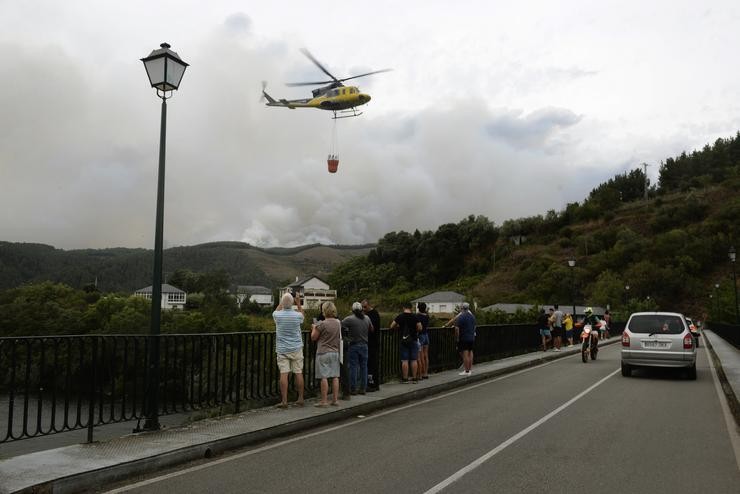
(688, 342)
(625, 338)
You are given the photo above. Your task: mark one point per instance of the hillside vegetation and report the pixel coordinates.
(126, 270)
(670, 249)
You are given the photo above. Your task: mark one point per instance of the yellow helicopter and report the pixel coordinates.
(335, 96)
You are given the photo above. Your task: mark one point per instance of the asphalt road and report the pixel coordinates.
(560, 427)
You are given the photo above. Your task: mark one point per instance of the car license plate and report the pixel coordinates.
(656, 344)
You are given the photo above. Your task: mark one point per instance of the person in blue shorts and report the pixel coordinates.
(409, 328)
(423, 365)
(543, 323)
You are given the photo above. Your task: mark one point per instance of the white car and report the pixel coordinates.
(658, 339)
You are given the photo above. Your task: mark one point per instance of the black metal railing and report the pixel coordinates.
(729, 332)
(52, 384)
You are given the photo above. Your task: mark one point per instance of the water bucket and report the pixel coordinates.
(333, 164)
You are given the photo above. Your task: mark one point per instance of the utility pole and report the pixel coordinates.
(644, 167)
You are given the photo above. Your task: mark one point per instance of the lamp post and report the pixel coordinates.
(165, 70)
(716, 298)
(572, 264)
(626, 294)
(732, 253)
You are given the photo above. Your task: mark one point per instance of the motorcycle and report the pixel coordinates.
(590, 343)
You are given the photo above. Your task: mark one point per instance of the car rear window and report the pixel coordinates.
(655, 323)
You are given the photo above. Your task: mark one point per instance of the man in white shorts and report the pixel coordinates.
(289, 346)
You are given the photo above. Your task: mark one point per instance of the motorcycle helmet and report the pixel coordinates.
(589, 310)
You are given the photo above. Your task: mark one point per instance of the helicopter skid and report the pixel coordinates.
(346, 114)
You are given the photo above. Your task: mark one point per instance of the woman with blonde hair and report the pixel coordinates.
(327, 334)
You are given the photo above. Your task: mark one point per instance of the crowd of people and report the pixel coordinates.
(556, 328)
(362, 330)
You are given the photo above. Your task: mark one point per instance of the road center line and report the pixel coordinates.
(475, 464)
(268, 447)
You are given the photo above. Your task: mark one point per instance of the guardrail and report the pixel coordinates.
(53, 384)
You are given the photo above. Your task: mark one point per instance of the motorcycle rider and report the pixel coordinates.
(593, 320)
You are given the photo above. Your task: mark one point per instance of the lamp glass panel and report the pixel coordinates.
(155, 71)
(175, 72)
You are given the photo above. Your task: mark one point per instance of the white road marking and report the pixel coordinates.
(268, 447)
(729, 420)
(475, 464)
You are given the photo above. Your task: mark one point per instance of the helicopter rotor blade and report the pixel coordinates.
(318, 64)
(363, 75)
(294, 84)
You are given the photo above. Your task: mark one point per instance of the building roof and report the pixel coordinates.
(303, 281)
(166, 288)
(253, 290)
(437, 297)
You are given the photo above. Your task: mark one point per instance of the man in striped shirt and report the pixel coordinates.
(289, 346)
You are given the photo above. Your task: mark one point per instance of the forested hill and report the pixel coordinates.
(670, 250)
(126, 270)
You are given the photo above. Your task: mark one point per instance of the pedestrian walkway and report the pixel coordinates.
(85, 466)
(729, 358)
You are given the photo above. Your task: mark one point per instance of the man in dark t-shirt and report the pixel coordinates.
(465, 333)
(408, 329)
(373, 347)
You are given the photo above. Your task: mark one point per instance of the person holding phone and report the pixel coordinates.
(289, 345)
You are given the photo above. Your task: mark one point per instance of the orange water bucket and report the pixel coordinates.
(333, 164)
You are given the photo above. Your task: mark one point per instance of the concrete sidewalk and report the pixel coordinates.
(84, 467)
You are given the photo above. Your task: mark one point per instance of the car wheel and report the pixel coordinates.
(626, 370)
(692, 373)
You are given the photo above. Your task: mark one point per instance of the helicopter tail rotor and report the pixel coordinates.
(266, 98)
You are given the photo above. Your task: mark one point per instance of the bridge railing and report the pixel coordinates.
(53, 384)
(729, 332)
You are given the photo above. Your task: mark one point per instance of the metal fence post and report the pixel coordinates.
(91, 397)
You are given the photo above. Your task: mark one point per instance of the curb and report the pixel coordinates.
(93, 480)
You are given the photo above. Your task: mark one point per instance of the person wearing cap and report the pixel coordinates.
(359, 327)
(465, 334)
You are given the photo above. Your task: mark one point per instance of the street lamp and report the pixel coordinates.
(572, 264)
(165, 70)
(626, 294)
(732, 253)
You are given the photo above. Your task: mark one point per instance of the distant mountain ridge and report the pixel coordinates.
(124, 269)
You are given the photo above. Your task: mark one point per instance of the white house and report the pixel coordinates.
(254, 293)
(172, 297)
(313, 290)
(441, 302)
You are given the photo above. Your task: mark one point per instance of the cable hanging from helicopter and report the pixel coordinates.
(332, 160)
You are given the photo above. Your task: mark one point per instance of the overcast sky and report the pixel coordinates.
(505, 109)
